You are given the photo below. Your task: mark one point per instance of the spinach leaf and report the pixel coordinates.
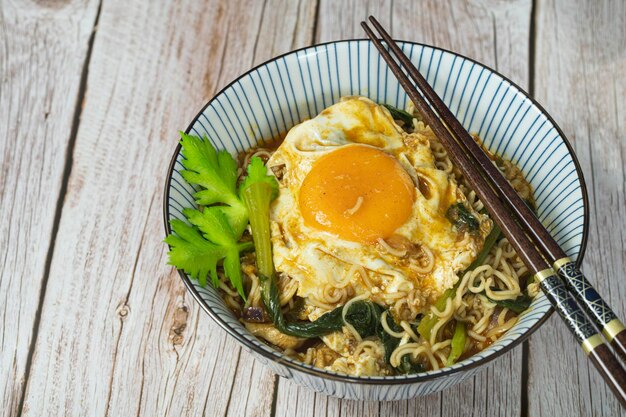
(461, 218)
(327, 323)
(364, 317)
(405, 117)
(389, 342)
(408, 367)
(520, 304)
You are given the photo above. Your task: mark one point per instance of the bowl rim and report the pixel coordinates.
(296, 365)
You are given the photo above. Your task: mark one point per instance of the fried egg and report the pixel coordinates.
(362, 210)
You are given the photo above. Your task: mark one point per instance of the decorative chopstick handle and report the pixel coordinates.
(612, 328)
(579, 324)
(585, 332)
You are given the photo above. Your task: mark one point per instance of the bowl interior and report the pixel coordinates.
(277, 95)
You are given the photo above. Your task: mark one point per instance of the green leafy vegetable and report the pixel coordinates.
(458, 343)
(490, 240)
(327, 323)
(214, 225)
(216, 173)
(389, 342)
(197, 250)
(397, 114)
(257, 191)
(364, 317)
(408, 367)
(428, 322)
(297, 310)
(257, 175)
(519, 305)
(368, 322)
(192, 253)
(215, 230)
(461, 218)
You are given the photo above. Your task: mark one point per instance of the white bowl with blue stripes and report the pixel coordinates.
(271, 98)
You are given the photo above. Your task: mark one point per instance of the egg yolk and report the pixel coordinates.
(358, 193)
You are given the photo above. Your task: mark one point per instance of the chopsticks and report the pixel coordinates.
(583, 291)
(532, 241)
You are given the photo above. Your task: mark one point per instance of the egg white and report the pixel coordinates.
(317, 258)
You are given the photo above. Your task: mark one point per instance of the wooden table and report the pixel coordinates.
(92, 95)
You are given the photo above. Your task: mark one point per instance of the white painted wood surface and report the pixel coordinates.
(43, 48)
(118, 334)
(580, 77)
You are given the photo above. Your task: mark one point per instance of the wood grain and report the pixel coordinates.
(579, 78)
(42, 55)
(119, 335)
(497, 34)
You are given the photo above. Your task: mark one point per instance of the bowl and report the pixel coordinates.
(278, 94)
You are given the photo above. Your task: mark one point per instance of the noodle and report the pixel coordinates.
(366, 344)
(408, 330)
(389, 249)
(383, 322)
(496, 331)
(501, 270)
(363, 273)
(474, 303)
(356, 207)
(428, 267)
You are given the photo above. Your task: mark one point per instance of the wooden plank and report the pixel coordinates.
(119, 335)
(43, 48)
(579, 78)
(497, 34)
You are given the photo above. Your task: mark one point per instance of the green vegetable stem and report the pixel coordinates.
(490, 240)
(426, 325)
(458, 343)
(257, 191)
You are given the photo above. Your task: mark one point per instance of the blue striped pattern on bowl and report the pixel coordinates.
(275, 96)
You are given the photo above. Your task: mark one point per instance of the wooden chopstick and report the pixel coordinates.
(579, 324)
(603, 316)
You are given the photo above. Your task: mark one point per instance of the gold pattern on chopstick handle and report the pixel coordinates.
(612, 328)
(590, 343)
(565, 305)
(541, 275)
(589, 298)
